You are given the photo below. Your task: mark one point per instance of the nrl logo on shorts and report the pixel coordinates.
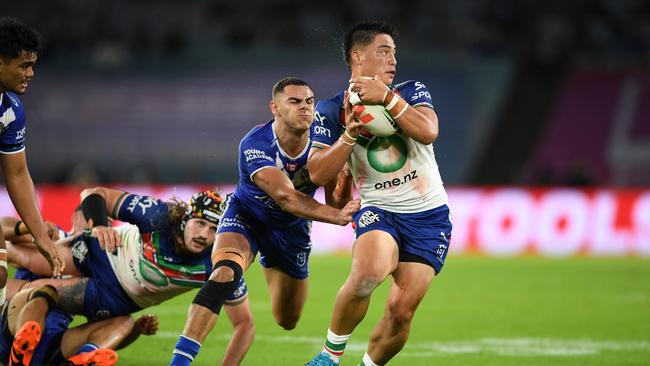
(368, 218)
(301, 258)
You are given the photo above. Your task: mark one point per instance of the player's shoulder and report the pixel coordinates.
(409, 85)
(415, 93)
(11, 100)
(259, 143)
(260, 133)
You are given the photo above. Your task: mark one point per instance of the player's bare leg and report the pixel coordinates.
(231, 256)
(3, 268)
(288, 296)
(351, 305)
(26, 318)
(367, 272)
(243, 332)
(409, 285)
(71, 292)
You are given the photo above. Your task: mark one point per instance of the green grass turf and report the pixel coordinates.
(479, 311)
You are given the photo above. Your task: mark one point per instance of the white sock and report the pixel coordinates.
(367, 361)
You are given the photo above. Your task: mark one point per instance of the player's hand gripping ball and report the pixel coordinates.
(375, 117)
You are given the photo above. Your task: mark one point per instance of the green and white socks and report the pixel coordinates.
(335, 345)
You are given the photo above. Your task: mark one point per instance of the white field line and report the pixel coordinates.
(498, 346)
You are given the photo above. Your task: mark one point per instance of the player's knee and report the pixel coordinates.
(222, 274)
(287, 322)
(363, 286)
(47, 293)
(215, 292)
(400, 313)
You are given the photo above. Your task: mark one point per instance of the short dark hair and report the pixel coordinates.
(16, 36)
(363, 34)
(283, 83)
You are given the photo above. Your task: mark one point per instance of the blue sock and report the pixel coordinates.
(185, 351)
(88, 347)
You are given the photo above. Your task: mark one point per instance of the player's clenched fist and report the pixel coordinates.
(345, 216)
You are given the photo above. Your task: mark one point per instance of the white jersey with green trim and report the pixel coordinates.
(395, 173)
(145, 281)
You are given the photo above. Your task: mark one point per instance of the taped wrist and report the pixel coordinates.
(213, 294)
(395, 105)
(94, 208)
(47, 292)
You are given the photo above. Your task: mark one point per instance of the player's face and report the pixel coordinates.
(16, 73)
(294, 107)
(378, 58)
(78, 222)
(199, 235)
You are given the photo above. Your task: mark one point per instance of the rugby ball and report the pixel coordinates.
(375, 119)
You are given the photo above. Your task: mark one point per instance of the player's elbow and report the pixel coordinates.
(428, 137)
(318, 178)
(317, 175)
(428, 134)
(90, 191)
(286, 199)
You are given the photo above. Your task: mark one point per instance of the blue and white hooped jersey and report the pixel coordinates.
(12, 124)
(147, 265)
(260, 149)
(395, 173)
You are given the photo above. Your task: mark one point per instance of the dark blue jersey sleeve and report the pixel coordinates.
(327, 125)
(12, 125)
(147, 213)
(254, 156)
(415, 93)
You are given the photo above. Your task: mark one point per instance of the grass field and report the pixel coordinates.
(480, 311)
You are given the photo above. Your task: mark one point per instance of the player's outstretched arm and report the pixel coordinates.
(279, 187)
(21, 190)
(98, 205)
(145, 325)
(14, 230)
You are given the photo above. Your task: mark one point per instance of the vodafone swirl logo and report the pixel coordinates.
(387, 154)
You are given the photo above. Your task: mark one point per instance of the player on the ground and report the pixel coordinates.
(19, 45)
(35, 332)
(20, 243)
(403, 227)
(105, 286)
(269, 212)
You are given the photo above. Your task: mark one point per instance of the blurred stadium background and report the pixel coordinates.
(544, 111)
